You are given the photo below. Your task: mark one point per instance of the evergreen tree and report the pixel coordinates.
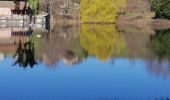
(161, 8)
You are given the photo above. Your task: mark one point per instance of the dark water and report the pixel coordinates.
(86, 62)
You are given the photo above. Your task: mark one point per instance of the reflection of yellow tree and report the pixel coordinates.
(101, 41)
(100, 10)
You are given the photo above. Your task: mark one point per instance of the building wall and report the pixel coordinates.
(7, 6)
(5, 12)
(12, 5)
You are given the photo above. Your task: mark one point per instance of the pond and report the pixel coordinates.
(84, 62)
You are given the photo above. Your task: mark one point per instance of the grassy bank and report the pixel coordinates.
(142, 20)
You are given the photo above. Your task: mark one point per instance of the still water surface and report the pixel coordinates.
(86, 62)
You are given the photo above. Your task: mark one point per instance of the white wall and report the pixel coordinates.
(5, 11)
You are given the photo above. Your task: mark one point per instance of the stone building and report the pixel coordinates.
(10, 7)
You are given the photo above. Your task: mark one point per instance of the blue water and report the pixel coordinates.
(123, 79)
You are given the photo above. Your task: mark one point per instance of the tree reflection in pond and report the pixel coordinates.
(25, 54)
(102, 41)
(159, 45)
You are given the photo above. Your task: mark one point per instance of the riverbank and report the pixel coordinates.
(138, 20)
(142, 21)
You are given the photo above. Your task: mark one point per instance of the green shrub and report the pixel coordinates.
(161, 8)
(35, 5)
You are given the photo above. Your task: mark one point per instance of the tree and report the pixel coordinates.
(100, 10)
(161, 8)
(35, 5)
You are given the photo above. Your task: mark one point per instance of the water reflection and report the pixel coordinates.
(134, 53)
(25, 55)
(61, 45)
(159, 44)
(102, 41)
(159, 62)
(18, 41)
(25, 52)
(10, 37)
(73, 44)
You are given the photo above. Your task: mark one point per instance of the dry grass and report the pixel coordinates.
(141, 20)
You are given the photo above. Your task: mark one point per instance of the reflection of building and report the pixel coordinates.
(15, 13)
(10, 37)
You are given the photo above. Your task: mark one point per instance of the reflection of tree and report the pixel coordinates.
(102, 41)
(158, 68)
(62, 44)
(79, 52)
(25, 53)
(159, 45)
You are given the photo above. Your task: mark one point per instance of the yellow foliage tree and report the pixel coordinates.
(100, 10)
(101, 41)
